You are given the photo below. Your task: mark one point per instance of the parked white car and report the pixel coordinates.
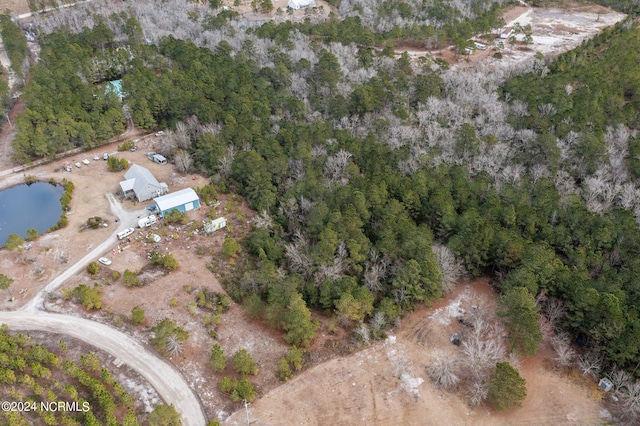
(86, 162)
(104, 261)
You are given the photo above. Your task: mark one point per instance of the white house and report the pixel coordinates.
(183, 200)
(301, 4)
(141, 183)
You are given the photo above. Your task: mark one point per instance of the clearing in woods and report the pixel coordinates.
(386, 383)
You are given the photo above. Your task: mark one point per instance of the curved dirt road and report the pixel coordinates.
(167, 381)
(165, 378)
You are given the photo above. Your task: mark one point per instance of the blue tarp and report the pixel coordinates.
(114, 86)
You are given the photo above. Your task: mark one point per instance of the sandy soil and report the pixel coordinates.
(366, 388)
(15, 6)
(554, 31)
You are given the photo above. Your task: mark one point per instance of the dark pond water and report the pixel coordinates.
(23, 207)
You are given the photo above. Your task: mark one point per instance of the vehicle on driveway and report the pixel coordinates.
(104, 261)
(147, 221)
(105, 156)
(86, 162)
(96, 157)
(78, 164)
(125, 233)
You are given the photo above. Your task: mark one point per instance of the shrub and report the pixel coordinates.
(217, 360)
(126, 146)
(90, 297)
(131, 279)
(167, 260)
(284, 370)
(32, 234)
(117, 164)
(165, 329)
(93, 268)
(230, 247)
(94, 222)
(175, 216)
(238, 389)
(243, 363)
(137, 315)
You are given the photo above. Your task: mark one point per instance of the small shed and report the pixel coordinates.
(605, 384)
(214, 225)
(183, 200)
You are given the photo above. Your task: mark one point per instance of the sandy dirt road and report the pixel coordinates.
(167, 381)
(127, 220)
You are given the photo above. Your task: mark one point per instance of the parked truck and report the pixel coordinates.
(145, 222)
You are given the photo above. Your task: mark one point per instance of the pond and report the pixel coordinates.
(28, 206)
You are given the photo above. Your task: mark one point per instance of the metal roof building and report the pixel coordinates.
(141, 183)
(183, 200)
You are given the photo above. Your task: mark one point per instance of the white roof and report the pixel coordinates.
(175, 199)
(140, 177)
(127, 185)
(299, 4)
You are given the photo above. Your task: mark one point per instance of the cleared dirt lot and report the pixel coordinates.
(554, 31)
(366, 387)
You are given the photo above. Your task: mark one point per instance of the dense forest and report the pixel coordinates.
(379, 180)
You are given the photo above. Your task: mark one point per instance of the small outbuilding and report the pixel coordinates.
(506, 33)
(183, 200)
(141, 183)
(605, 384)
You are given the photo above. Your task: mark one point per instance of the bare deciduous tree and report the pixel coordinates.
(482, 348)
(263, 220)
(375, 271)
(378, 322)
(620, 379)
(443, 370)
(554, 309)
(224, 164)
(451, 268)
(173, 346)
(295, 253)
(336, 166)
(630, 402)
(478, 391)
(564, 352)
(363, 332)
(590, 364)
(183, 161)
